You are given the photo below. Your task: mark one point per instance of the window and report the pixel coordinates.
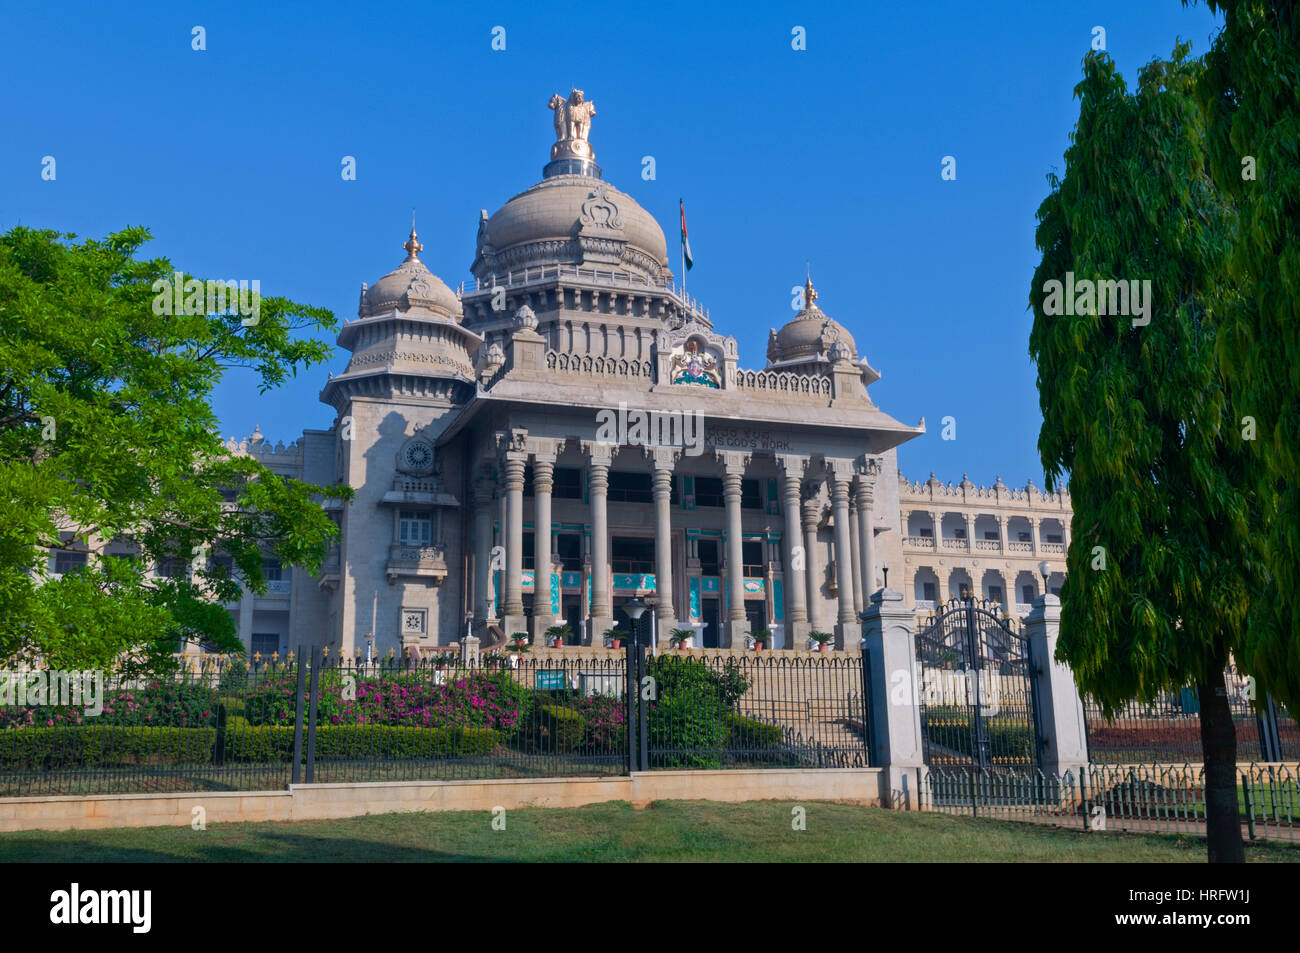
(224, 563)
(632, 554)
(272, 570)
(750, 497)
(925, 532)
(529, 560)
(568, 484)
(1025, 537)
(1027, 594)
(415, 528)
(991, 534)
(66, 561)
(629, 487)
(173, 568)
(708, 491)
(995, 593)
(752, 557)
(1054, 537)
(568, 546)
(709, 563)
(265, 643)
(929, 591)
(959, 534)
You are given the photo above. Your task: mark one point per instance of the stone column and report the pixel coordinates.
(812, 512)
(1060, 709)
(482, 550)
(936, 520)
(734, 468)
(970, 532)
(794, 555)
(1003, 524)
(1033, 528)
(855, 545)
(1065, 534)
(866, 492)
(543, 483)
(848, 631)
(513, 610)
(1009, 577)
(602, 610)
(889, 654)
(662, 481)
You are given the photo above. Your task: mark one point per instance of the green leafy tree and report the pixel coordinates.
(1250, 93)
(1138, 415)
(107, 432)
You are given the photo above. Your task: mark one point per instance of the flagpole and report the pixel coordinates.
(682, 209)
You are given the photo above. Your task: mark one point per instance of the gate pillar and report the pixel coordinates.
(892, 683)
(1063, 735)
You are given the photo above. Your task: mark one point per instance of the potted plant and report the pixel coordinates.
(614, 637)
(681, 638)
(556, 635)
(760, 638)
(823, 639)
(518, 643)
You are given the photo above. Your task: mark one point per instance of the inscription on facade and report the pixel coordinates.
(746, 438)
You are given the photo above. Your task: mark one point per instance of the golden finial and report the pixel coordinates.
(809, 292)
(413, 246)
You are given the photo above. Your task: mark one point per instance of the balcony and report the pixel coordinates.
(989, 545)
(424, 562)
(1052, 547)
(955, 544)
(1018, 547)
(919, 542)
(279, 587)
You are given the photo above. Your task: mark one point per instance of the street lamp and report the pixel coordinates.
(1045, 568)
(635, 608)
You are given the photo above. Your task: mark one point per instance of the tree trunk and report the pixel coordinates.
(1219, 748)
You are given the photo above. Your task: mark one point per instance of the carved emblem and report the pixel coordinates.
(599, 210)
(694, 367)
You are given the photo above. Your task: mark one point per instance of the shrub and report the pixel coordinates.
(245, 742)
(556, 729)
(103, 746)
(689, 729)
(744, 732)
(676, 674)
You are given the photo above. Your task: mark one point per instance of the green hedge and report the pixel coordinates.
(555, 728)
(104, 745)
(245, 742)
(743, 732)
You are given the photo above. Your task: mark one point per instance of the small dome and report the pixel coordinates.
(411, 287)
(811, 335)
(574, 219)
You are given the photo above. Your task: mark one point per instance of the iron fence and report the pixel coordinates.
(1166, 799)
(228, 725)
(1168, 729)
(761, 710)
(183, 731)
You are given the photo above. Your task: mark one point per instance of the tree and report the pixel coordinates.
(1251, 97)
(1138, 414)
(107, 432)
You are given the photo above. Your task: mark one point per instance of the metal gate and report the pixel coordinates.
(979, 712)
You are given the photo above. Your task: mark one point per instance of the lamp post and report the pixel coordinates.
(1045, 568)
(635, 608)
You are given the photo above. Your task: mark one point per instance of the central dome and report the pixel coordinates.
(572, 220)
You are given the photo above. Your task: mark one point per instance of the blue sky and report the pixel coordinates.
(231, 156)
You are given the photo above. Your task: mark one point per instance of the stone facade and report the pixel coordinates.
(570, 431)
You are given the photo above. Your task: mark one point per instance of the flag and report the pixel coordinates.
(686, 242)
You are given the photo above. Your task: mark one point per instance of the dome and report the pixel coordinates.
(574, 219)
(811, 335)
(411, 287)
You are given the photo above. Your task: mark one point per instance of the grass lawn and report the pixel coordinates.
(665, 831)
